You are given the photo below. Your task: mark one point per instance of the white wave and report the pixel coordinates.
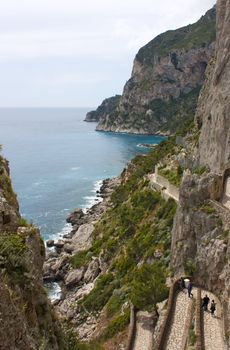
(92, 200)
(54, 291)
(65, 230)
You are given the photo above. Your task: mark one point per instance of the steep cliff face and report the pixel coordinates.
(9, 210)
(214, 102)
(167, 75)
(27, 321)
(107, 108)
(201, 241)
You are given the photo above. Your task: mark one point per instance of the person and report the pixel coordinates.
(205, 302)
(213, 307)
(190, 289)
(182, 284)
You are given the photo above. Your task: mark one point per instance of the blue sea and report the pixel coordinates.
(58, 161)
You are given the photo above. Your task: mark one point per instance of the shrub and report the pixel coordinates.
(100, 295)
(80, 259)
(117, 325)
(148, 286)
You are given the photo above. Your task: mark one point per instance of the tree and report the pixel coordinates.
(148, 286)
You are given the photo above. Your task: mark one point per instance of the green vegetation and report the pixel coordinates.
(199, 34)
(190, 267)
(116, 325)
(12, 254)
(23, 222)
(178, 112)
(173, 175)
(80, 259)
(5, 184)
(148, 286)
(200, 170)
(208, 209)
(133, 238)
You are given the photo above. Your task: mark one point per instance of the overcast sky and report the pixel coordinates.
(78, 52)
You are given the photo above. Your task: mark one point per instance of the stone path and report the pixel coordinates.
(144, 331)
(163, 188)
(179, 322)
(213, 331)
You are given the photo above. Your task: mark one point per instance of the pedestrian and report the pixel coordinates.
(181, 284)
(190, 286)
(205, 302)
(213, 307)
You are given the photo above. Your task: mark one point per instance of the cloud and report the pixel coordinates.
(66, 44)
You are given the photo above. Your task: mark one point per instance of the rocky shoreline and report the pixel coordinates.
(80, 236)
(76, 283)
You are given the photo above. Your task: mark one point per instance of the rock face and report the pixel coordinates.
(201, 240)
(166, 78)
(9, 209)
(107, 107)
(27, 319)
(214, 102)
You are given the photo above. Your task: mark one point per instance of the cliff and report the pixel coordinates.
(27, 319)
(107, 107)
(167, 74)
(201, 242)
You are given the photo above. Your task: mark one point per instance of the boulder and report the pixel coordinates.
(74, 277)
(74, 217)
(92, 271)
(50, 243)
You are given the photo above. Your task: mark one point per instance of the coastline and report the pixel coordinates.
(57, 266)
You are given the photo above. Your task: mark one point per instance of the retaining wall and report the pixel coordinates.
(132, 328)
(199, 322)
(168, 318)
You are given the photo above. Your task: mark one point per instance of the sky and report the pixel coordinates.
(75, 53)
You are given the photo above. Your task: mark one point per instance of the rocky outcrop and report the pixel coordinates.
(9, 209)
(167, 75)
(107, 107)
(27, 318)
(213, 111)
(201, 241)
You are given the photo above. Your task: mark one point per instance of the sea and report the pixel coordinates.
(58, 161)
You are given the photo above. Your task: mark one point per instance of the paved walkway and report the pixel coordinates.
(163, 188)
(179, 322)
(213, 333)
(144, 331)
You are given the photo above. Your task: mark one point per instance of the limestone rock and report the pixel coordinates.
(92, 271)
(74, 277)
(213, 111)
(75, 216)
(107, 107)
(167, 75)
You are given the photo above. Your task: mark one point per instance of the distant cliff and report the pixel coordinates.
(162, 93)
(107, 108)
(27, 319)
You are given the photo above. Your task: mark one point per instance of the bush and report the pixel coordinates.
(12, 251)
(100, 295)
(115, 326)
(80, 259)
(148, 286)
